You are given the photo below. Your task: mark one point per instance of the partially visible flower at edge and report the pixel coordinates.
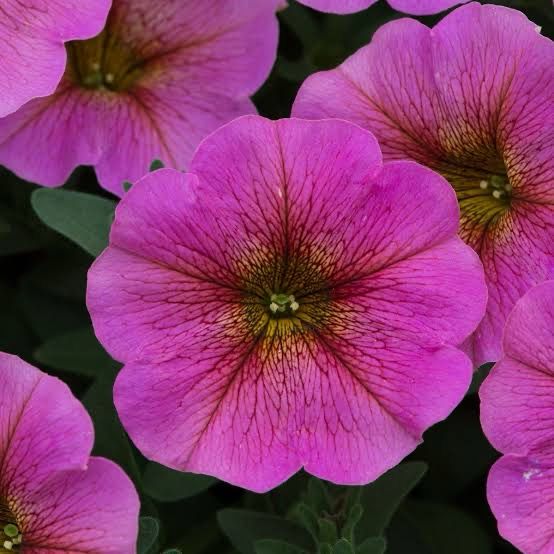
(159, 78)
(289, 303)
(517, 414)
(32, 36)
(413, 7)
(54, 497)
(472, 98)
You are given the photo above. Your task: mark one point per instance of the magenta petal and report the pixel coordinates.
(514, 395)
(214, 411)
(91, 511)
(287, 215)
(472, 99)
(424, 7)
(517, 414)
(170, 123)
(35, 413)
(32, 50)
(59, 497)
(518, 491)
(67, 122)
(153, 89)
(339, 6)
(414, 7)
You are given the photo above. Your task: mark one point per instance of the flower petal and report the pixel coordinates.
(165, 123)
(517, 403)
(475, 89)
(424, 7)
(143, 309)
(517, 255)
(227, 389)
(519, 491)
(31, 37)
(212, 46)
(48, 137)
(253, 417)
(89, 511)
(37, 415)
(338, 6)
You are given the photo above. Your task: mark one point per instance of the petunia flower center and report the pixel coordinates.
(498, 186)
(484, 197)
(282, 304)
(105, 62)
(10, 533)
(285, 295)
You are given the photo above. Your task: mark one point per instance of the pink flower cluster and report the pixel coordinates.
(311, 293)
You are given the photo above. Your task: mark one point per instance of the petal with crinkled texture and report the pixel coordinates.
(60, 498)
(32, 36)
(516, 493)
(36, 410)
(414, 7)
(471, 98)
(517, 414)
(339, 6)
(385, 291)
(168, 81)
(424, 7)
(55, 121)
(92, 511)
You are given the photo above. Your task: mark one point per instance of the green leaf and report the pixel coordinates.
(381, 498)
(244, 528)
(156, 164)
(445, 528)
(166, 485)
(83, 218)
(327, 530)
(78, 352)
(372, 545)
(149, 529)
(354, 516)
(343, 547)
(306, 516)
(271, 546)
(318, 496)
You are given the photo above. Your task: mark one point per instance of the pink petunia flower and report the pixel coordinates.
(158, 79)
(32, 36)
(54, 497)
(289, 303)
(472, 98)
(517, 414)
(414, 7)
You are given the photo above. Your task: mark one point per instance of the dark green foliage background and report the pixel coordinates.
(43, 319)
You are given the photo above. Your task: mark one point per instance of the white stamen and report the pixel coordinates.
(274, 307)
(483, 184)
(294, 306)
(497, 193)
(8, 545)
(110, 77)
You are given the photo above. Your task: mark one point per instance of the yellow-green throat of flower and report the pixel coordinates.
(10, 533)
